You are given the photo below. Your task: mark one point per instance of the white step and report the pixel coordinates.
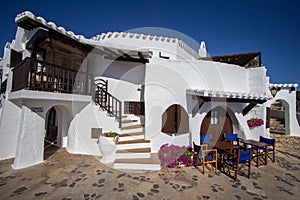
(132, 155)
(135, 137)
(137, 166)
(133, 146)
(130, 124)
(133, 130)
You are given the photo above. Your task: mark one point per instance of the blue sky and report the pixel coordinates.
(227, 27)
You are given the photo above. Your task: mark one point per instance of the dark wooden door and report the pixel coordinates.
(175, 120)
(51, 134)
(139, 108)
(215, 123)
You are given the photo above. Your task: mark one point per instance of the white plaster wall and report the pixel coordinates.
(201, 74)
(288, 97)
(31, 135)
(258, 81)
(167, 82)
(125, 79)
(9, 129)
(259, 111)
(11, 115)
(79, 134)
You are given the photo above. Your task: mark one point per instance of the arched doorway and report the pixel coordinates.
(278, 117)
(216, 122)
(50, 141)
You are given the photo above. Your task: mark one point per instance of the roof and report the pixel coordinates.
(230, 96)
(29, 21)
(290, 85)
(242, 59)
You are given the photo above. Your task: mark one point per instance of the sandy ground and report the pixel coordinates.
(67, 176)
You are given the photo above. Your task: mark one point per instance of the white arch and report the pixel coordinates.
(64, 118)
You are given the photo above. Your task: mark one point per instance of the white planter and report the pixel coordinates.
(107, 148)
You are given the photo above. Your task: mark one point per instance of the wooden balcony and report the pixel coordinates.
(41, 76)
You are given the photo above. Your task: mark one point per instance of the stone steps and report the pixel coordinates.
(133, 153)
(152, 163)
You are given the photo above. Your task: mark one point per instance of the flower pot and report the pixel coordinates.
(107, 148)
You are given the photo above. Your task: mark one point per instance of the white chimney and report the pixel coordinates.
(202, 50)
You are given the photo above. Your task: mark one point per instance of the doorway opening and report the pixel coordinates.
(50, 141)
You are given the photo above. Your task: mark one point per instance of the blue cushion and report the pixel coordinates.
(267, 140)
(230, 137)
(244, 157)
(205, 139)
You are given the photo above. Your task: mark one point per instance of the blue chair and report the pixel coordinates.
(237, 162)
(270, 148)
(205, 156)
(204, 139)
(232, 138)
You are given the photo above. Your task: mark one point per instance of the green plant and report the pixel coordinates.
(111, 134)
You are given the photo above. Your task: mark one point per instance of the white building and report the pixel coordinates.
(159, 90)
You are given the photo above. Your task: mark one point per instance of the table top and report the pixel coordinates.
(222, 145)
(254, 143)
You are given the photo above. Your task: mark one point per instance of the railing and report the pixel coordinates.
(38, 75)
(107, 101)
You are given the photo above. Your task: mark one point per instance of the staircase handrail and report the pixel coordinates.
(107, 101)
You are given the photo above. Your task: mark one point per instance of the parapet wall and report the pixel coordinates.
(289, 142)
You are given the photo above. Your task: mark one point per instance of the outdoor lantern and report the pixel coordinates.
(274, 90)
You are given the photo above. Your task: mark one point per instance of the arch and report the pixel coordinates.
(175, 120)
(57, 121)
(50, 140)
(278, 117)
(216, 122)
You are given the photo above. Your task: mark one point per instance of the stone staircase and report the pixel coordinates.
(277, 125)
(133, 151)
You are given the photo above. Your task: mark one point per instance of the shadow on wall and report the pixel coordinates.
(131, 72)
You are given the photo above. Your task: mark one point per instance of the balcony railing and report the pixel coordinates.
(41, 76)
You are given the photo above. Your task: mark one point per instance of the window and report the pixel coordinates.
(128, 107)
(214, 118)
(175, 120)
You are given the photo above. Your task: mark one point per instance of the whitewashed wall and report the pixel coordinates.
(167, 82)
(288, 97)
(79, 134)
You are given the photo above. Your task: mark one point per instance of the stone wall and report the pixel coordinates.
(290, 142)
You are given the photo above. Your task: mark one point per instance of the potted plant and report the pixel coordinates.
(107, 145)
(173, 155)
(254, 122)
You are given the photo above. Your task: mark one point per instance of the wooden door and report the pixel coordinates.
(175, 120)
(51, 134)
(215, 123)
(138, 108)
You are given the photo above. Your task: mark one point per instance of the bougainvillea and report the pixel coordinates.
(174, 155)
(254, 122)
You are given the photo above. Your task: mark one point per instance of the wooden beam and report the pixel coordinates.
(109, 51)
(198, 105)
(124, 54)
(249, 107)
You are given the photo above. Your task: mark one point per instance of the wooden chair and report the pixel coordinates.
(237, 162)
(205, 156)
(270, 148)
